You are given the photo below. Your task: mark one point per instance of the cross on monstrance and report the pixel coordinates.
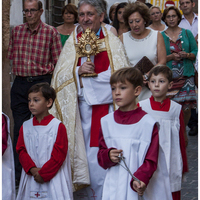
(88, 44)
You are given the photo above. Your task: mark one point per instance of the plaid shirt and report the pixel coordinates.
(34, 53)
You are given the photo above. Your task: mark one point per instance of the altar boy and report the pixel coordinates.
(132, 132)
(43, 150)
(169, 114)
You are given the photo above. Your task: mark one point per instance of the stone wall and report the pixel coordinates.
(5, 62)
(196, 6)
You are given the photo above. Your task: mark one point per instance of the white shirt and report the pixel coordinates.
(186, 25)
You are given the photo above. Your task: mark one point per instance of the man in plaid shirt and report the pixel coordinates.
(34, 49)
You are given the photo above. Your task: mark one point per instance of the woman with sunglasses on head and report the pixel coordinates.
(181, 51)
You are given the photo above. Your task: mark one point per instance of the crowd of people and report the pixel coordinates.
(111, 125)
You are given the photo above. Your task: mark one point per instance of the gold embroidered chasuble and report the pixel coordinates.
(66, 108)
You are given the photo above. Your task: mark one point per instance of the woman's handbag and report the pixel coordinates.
(144, 65)
(177, 85)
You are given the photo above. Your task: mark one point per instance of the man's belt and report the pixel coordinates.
(31, 79)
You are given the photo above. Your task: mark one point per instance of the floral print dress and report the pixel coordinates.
(187, 95)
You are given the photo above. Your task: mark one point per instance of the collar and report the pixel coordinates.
(195, 16)
(131, 112)
(98, 32)
(164, 106)
(36, 29)
(129, 117)
(44, 121)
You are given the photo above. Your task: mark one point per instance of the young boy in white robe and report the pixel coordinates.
(43, 150)
(133, 133)
(171, 125)
(8, 169)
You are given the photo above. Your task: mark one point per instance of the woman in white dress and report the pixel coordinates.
(140, 41)
(155, 16)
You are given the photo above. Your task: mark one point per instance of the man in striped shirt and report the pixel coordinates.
(34, 49)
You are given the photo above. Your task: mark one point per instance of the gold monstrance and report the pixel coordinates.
(88, 44)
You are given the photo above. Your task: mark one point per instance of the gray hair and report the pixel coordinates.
(38, 2)
(98, 4)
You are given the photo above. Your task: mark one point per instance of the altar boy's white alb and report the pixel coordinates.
(39, 147)
(135, 143)
(8, 169)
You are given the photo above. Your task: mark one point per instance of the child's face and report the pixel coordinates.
(159, 86)
(124, 95)
(38, 105)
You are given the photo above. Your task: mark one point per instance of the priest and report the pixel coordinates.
(81, 79)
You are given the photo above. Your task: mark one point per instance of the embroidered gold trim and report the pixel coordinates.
(58, 109)
(76, 61)
(64, 84)
(109, 56)
(108, 50)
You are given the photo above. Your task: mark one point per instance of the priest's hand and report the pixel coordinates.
(113, 155)
(86, 68)
(139, 188)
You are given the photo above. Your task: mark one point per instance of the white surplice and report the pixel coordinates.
(8, 169)
(39, 142)
(134, 140)
(169, 139)
(95, 91)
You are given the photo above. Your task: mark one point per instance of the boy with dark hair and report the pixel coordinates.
(132, 133)
(171, 125)
(43, 150)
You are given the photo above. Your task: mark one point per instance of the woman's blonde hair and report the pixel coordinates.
(152, 7)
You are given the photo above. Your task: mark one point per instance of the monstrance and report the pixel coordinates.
(88, 44)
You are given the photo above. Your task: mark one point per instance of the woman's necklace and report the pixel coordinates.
(173, 34)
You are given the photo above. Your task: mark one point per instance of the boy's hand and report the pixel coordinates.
(36, 175)
(38, 178)
(34, 170)
(113, 154)
(139, 188)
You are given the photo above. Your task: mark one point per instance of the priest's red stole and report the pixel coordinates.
(101, 62)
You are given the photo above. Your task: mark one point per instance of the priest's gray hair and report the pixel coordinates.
(98, 4)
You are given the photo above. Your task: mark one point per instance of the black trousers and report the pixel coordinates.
(20, 110)
(193, 119)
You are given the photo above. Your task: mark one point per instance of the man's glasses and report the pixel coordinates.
(32, 11)
(157, 13)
